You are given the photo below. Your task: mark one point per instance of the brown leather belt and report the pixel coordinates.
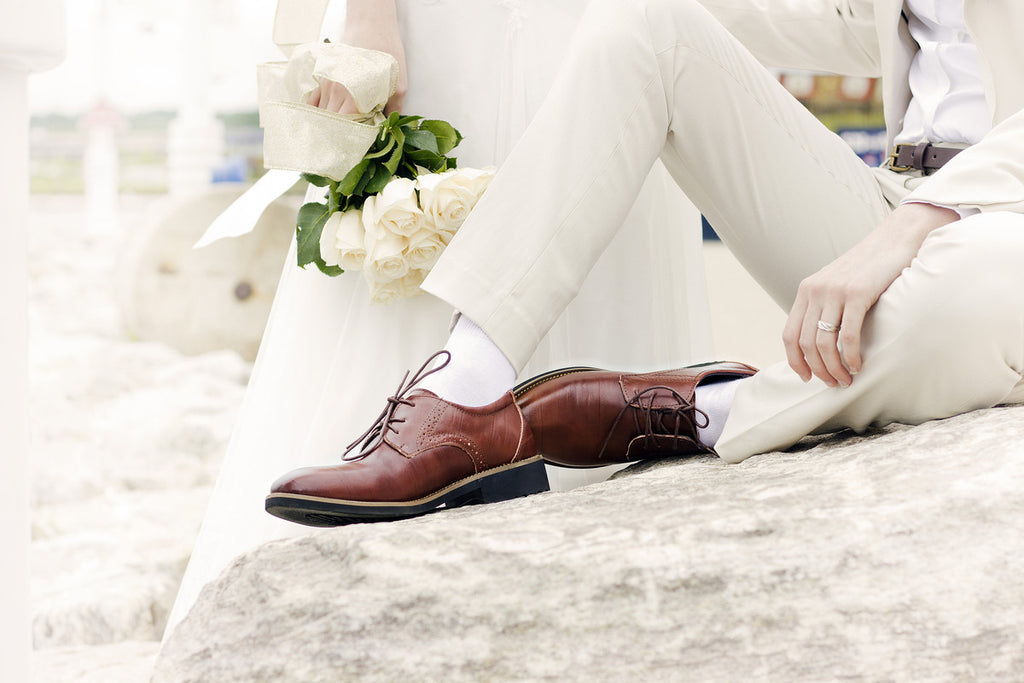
(924, 157)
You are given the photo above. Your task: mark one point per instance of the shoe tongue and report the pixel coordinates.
(632, 385)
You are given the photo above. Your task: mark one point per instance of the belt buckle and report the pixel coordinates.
(892, 160)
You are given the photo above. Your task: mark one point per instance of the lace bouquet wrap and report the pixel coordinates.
(392, 194)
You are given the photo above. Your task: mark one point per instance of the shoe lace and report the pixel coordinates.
(651, 421)
(386, 421)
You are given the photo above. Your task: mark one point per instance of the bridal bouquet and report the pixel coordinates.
(393, 214)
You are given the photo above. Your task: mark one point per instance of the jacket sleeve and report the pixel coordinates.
(837, 36)
(988, 176)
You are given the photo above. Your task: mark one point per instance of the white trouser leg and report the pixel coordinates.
(646, 78)
(947, 337)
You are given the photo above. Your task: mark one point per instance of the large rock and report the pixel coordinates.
(124, 662)
(127, 440)
(894, 556)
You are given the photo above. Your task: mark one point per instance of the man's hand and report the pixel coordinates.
(373, 25)
(841, 294)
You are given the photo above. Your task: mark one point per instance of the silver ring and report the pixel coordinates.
(827, 327)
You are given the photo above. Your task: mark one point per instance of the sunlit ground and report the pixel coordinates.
(127, 436)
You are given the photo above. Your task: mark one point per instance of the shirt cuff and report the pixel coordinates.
(964, 211)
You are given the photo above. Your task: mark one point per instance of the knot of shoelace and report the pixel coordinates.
(651, 421)
(386, 421)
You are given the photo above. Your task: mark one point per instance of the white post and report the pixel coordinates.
(100, 168)
(31, 39)
(196, 138)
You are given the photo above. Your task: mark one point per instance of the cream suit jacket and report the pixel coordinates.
(871, 38)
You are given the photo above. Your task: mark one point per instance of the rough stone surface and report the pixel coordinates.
(124, 662)
(126, 441)
(898, 555)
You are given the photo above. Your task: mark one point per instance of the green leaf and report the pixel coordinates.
(310, 225)
(422, 139)
(381, 176)
(360, 189)
(352, 203)
(392, 163)
(432, 162)
(447, 137)
(424, 157)
(385, 149)
(406, 120)
(317, 180)
(396, 156)
(310, 214)
(333, 271)
(407, 170)
(351, 180)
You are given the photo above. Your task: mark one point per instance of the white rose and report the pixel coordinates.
(476, 178)
(424, 249)
(342, 243)
(383, 292)
(445, 199)
(327, 236)
(395, 208)
(385, 254)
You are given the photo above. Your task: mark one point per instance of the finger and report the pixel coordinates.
(828, 346)
(335, 97)
(395, 103)
(809, 347)
(314, 97)
(791, 339)
(348, 106)
(850, 336)
(338, 99)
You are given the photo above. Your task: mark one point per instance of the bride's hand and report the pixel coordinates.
(841, 294)
(373, 25)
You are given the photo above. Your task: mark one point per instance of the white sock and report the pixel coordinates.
(478, 373)
(715, 399)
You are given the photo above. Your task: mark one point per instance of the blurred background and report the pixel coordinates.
(137, 66)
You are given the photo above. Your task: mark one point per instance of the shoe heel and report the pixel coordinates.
(523, 480)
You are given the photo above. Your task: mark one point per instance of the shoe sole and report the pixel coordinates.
(493, 486)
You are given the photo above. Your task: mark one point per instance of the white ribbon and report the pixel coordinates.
(298, 137)
(244, 213)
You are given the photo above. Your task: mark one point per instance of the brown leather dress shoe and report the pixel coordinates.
(421, 453)
(584, 417)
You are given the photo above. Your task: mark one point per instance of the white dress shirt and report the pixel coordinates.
(948, 103)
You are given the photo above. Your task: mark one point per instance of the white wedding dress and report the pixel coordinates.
(329, 357)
